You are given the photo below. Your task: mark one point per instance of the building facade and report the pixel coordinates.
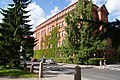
(44, 28)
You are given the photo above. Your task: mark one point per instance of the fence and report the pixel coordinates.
(33, 67)
(37, 67)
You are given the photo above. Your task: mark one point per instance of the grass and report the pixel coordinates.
(16, 73)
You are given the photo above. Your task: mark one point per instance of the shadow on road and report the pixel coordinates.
(54, 71)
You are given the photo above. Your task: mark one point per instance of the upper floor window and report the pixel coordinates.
(59, 44)
(58, 35)
(48, 29)
(51, 28)
(61, 24)
(37, 35)
(43, 32)
(63, 33)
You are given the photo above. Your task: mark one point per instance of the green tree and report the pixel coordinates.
(15, 33)
(80, 41)
(113, 34)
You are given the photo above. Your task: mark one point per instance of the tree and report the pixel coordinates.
(113, 35)
(15, 33)
(80, 41)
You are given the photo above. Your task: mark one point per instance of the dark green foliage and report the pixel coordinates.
(15, 34)
(114, 34)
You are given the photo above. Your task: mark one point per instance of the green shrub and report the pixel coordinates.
(38, 54)
(95, 61)
(60, 60)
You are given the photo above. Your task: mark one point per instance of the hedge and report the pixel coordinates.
(95, 61)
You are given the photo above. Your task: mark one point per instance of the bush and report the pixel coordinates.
(38, 54)
(95, 61)
(61, 60)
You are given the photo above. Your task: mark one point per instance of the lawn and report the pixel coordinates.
(16, 73)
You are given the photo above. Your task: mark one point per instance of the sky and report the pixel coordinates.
(42, 10)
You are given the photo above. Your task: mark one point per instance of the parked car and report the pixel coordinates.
(42, 59)
(50, 61)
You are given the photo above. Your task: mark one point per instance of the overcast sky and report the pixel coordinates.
(44, 9)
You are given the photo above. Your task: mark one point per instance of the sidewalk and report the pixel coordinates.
(59, 77)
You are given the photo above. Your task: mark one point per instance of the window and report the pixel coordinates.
(61, 24)
(37, 35)
(57, 35)
(53, 27)
(63, 33)
(60, 43)
(58, 24)
(60, 33)
(50, 45)
(48, 29)
(43, 33)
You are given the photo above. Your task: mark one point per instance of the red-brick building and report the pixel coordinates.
(44, 28)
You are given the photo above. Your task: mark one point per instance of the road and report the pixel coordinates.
(89, 73)
(112, 72)
(100, 74)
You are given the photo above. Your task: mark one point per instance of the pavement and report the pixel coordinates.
(66, 76)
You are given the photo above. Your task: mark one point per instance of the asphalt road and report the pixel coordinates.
(100, 74)
(87, 73)
(112, 72)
